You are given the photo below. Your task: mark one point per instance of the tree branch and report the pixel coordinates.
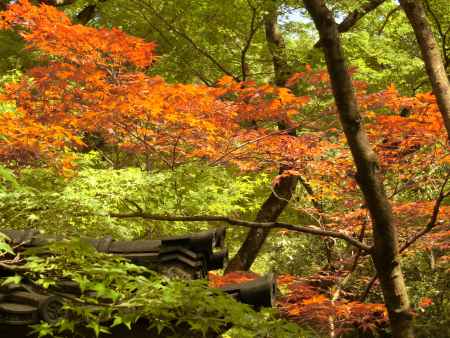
(187, 66)
(312, 230)
(357, 14)
(428, 227)
(352, 18)
(435, 19)
(244, 144)
(386, 19)
(433, 218)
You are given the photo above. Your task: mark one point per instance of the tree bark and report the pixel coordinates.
(385, 252)
(280, 197)
(431, 54)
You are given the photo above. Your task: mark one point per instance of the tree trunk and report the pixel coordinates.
(431, 55)
(279, 199)
(385, 253)
(277, 48)
(269, 212)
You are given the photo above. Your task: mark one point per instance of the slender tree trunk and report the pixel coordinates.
(432, 57)
(280, 197)
(385, 253)
(277, 48)
(269, 212)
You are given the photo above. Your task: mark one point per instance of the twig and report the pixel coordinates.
(368, 288)
(138, 207)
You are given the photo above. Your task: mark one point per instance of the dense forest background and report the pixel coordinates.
(316, 131)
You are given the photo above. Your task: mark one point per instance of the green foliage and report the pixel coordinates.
(200, 41)
(197, 40)
(8, 180)
(294, 254)
(429, 278)
(82, 204)
(115, 292)
(384, 50)
(11, 50)
(5, 248)
(8, 77)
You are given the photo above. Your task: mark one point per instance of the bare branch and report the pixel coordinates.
(435, 19)
(187, 65)
(137, 206)
(357, 14)
(428, 227)
(368, 288)
(433, 218)
(312, 230)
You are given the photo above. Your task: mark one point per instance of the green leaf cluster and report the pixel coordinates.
(82, 204)
(115, 292)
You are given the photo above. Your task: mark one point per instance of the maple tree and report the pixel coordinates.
(94, 82)
(108, 95)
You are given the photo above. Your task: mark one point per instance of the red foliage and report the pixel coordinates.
(92, 80)
(310, 303)
(425, 302)
(218, 281)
